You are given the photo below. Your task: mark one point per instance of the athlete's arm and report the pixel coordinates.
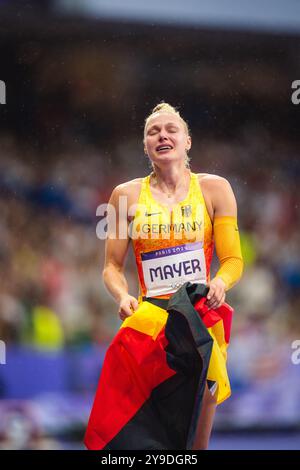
(116, 247)
(227, 241)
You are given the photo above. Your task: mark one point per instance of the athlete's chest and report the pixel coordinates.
(184, 222)
(183, 205)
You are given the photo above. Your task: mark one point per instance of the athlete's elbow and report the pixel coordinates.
(104, 274)
(109, 270)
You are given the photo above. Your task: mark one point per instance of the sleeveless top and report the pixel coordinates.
(171, 246)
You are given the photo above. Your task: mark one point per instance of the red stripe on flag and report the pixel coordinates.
(211, 317)
(139, 365)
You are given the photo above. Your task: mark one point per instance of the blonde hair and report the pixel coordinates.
(167, 108)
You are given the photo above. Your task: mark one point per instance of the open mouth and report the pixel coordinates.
(164, 148)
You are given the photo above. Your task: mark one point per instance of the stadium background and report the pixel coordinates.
(80, 78)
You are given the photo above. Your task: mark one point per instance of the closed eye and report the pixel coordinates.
(170, 128)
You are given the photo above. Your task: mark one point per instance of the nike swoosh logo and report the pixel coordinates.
(152, 213)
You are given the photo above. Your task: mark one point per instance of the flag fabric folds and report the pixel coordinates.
(154, 373)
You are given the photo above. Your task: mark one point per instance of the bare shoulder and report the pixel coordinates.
(218, 194)
(130, 189)
(213, 182)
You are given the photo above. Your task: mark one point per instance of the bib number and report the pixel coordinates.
(168, 269)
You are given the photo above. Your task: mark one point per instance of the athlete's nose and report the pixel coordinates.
(162, 136)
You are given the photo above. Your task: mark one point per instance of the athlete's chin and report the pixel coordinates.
(165, 158)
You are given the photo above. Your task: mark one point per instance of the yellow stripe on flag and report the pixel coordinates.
(148, 319)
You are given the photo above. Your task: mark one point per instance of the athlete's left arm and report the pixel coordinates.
(227, 240)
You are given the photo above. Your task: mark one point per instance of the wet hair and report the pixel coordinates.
(167, 108)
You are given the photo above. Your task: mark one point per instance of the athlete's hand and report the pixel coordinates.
(128, 304)
(216, 294)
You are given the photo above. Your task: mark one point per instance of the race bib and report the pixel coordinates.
(167, 269)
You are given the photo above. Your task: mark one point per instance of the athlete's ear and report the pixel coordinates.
(188, 143)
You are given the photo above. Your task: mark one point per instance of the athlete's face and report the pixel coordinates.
(165, 138)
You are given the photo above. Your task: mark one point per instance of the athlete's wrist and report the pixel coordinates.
(220, 282)
(121, 296)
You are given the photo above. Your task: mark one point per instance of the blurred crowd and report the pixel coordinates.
(51, 289)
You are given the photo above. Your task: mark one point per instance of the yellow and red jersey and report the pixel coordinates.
(171, 246)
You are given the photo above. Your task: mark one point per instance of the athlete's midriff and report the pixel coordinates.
(171, 247)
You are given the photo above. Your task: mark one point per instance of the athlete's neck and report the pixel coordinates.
(171, 179)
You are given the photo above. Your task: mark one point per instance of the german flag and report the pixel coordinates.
(153, 377)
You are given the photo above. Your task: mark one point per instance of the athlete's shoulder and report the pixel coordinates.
(213, 182)
(210, 178)
(129, 189)
(218, 194)
(125, 189)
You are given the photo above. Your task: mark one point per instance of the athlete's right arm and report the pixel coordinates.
(116, 247)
